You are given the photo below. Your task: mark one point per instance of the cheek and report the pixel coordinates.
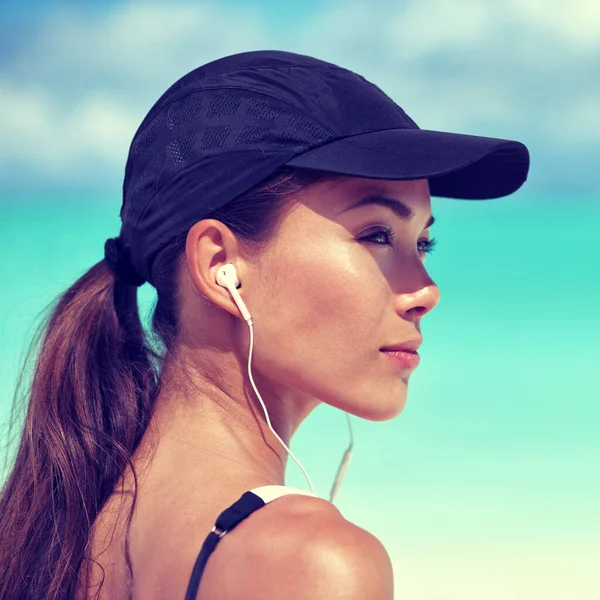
(324, 312)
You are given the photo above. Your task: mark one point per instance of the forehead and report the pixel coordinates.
(335, 196)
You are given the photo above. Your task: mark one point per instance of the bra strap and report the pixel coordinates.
(226, 521)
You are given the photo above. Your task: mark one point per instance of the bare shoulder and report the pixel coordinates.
(299, 548)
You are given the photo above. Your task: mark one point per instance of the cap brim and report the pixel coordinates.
(457, 165)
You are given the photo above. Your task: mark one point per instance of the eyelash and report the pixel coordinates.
(389, 234)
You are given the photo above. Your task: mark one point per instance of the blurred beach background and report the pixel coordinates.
(487, 485)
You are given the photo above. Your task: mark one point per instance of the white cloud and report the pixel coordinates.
(58, 139)
(138, 42)
(27, 117)
(414, 29)
(576, 23)
(101, 124)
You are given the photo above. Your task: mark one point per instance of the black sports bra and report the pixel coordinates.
(248, 503)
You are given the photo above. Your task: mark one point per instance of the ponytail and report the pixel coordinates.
(90, 399)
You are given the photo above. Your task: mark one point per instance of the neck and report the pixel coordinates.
(209, 421)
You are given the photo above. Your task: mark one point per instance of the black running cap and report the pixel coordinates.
(229, 125)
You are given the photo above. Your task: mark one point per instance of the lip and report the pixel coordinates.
(405, 360)
(406, 346)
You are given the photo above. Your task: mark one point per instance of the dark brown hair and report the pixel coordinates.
(89, 399)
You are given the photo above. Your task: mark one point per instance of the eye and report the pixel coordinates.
(428, 245)
(387, 234)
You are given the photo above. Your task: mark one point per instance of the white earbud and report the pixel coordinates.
(227, 278)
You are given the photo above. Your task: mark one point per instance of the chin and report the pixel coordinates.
(379, 411)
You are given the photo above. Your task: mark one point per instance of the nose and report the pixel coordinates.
(422, 299)
(425, 299)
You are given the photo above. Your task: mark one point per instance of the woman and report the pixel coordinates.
(271, 198)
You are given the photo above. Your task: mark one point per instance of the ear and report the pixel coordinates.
(209, 245)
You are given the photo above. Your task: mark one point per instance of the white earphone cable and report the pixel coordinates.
(250, 325)
(227, 277)
(337, 482)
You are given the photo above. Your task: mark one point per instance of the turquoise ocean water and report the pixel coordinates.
(487, 485)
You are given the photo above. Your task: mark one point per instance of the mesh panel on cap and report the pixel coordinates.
(178, 151)
(214, 137)
(148, 137)
(149, 177)
(184, 111)
(307, 130)
(224, 104)
(251, 133)
(174, 115)
(192, 108)
(262, 110)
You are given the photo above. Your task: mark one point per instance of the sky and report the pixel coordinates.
(77, 78)
(487, 484)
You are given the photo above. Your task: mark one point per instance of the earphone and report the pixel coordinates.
(227, 278)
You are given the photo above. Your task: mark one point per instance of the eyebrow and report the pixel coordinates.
(401, 210)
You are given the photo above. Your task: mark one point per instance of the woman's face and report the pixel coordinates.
(334, 290)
